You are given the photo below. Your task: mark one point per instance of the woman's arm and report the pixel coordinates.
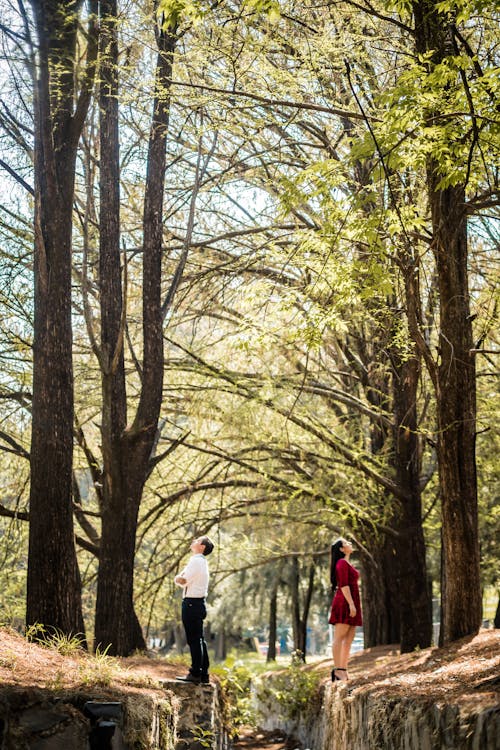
(347, 593)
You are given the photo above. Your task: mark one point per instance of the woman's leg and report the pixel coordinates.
(345, 649)
(340, 632)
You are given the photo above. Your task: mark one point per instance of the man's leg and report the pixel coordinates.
(205, 663)
(192, 619)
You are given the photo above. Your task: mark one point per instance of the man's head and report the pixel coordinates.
(202, 545)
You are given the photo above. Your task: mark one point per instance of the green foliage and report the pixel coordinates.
(204, 737)
(236, 681)
(173, 12)
(429, 114)
(296, 690)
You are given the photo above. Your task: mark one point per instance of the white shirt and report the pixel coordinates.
(197, 576)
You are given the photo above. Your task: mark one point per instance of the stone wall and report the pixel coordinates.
(200, 723)
(179, 717)
(365, 721)
(35, 719)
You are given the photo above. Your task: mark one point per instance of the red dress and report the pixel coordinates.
(346, 576)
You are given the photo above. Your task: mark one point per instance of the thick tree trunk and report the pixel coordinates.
(53, 590)
(415, 601)
(456, 413)
(53, 586)
(116, 626)
(380, 588)
(455, 377)
(380, 594)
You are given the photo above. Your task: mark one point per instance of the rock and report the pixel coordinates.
(40, 718)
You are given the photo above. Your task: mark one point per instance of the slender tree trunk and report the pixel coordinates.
(299, 622)
(127, 450)
(220, 644)
(273, 623)
(53, 586)
(455, 377)
(295, 596)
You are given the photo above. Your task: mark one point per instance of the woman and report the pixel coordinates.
(345, 613)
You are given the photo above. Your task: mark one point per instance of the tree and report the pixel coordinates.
(127, 448)
(454, 376)
(53, 593)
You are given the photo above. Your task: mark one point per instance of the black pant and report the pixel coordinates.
(193, 614)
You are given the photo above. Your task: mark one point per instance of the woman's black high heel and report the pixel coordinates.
(334, 676)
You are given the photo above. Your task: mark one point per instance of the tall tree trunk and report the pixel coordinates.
(455, 377)
(456, 412)
(53, 586)
(127, 450)
(116, 626)
(415, 601)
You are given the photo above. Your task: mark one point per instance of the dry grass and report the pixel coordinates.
(29, 665)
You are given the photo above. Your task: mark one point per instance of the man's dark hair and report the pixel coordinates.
(207, 543)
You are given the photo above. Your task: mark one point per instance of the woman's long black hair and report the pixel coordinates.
(336, 554)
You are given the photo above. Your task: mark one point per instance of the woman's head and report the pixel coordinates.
(338, 550)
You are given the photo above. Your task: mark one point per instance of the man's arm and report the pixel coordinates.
(186, 575)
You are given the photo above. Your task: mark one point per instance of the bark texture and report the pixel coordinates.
(415, 600)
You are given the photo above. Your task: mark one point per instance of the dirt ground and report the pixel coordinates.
(466, 673)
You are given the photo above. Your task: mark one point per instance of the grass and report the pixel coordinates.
(52, 638)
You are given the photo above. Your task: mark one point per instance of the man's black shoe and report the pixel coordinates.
(189, 678)
(205, 679)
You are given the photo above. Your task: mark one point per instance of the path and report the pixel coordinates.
(252, 739)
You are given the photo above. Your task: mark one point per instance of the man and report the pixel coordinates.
(194, 581)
